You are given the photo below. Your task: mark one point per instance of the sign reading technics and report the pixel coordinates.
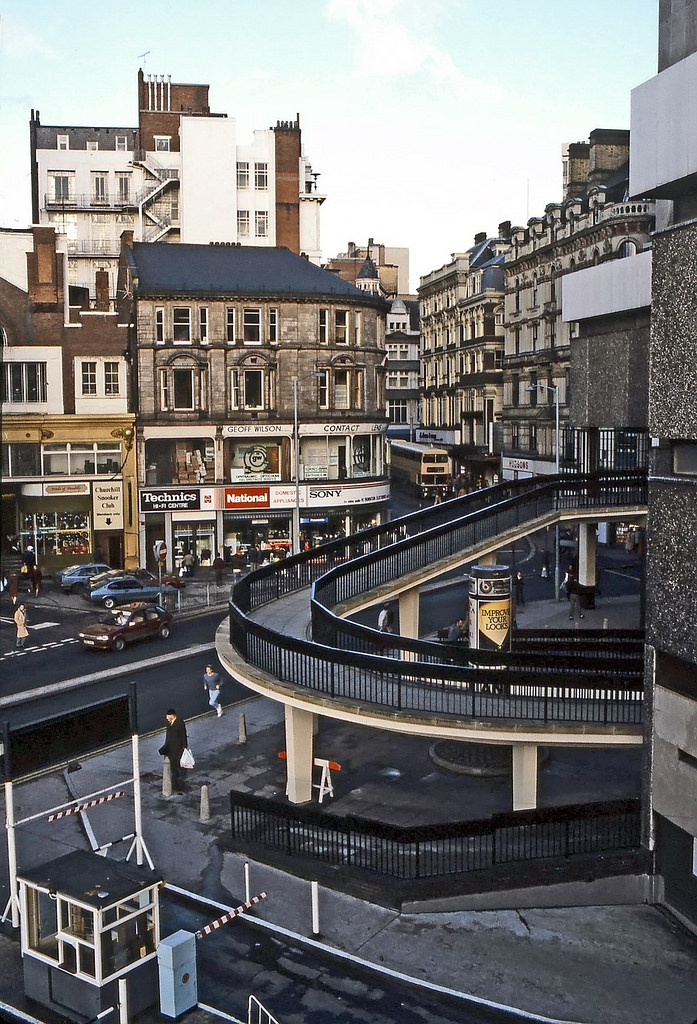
(170, 499)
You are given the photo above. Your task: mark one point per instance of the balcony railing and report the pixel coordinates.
(89, 201)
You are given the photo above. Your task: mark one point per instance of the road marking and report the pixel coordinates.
(32, 625)
(98, 677)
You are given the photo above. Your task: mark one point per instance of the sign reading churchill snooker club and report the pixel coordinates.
(170, 499)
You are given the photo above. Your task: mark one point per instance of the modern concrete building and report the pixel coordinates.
(663, 166)
(182, 175)
(68, 459)
(260, 398)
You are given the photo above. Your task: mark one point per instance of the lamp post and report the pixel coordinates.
(296, 460)
(554, 388)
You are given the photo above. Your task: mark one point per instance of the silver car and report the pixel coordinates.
(128, 588)
(76, 576)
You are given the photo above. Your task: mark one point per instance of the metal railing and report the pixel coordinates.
(432, 851)
(602, 684)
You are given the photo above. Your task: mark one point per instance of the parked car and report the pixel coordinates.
(126, 625)
(144, 575)
(126, 588)
(75, 576)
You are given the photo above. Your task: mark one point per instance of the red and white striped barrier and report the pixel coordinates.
(207, 929)
(83, 807)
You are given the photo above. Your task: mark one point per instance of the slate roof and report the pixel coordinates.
(247, 270)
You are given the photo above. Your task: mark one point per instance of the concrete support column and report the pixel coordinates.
(409, 617)
(587, 540)
(524, 776)
(489, 559)
(299, 754)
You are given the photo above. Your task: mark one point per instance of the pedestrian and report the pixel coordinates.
(188, 561)
(28, 559)
(456, 632)
(173, 747)
(35, 581)
(385, 619)
(13, 587)
(574, 599)
(21, 624)
(218, 566)
(519, 583)
(212, 682)
(237, 562)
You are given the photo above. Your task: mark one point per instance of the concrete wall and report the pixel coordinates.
(208, 147)
(664, 142)
(612, 287)
(609, 372)
(677, 31)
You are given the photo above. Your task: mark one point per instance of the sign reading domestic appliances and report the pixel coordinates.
(170, 499)
(247, 497)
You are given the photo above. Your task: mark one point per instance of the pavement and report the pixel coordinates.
(625, 963)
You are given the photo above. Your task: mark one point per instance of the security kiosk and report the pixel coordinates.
(90, 930)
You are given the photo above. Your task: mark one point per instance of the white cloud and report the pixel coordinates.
(394, 39)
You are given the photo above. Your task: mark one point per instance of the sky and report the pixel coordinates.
(428, 122)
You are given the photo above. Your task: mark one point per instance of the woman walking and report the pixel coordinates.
(21, 624)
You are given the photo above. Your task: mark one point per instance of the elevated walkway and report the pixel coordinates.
(441, 700)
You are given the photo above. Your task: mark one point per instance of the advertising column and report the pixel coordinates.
(490, 607)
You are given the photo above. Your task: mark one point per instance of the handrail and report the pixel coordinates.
(569, 689)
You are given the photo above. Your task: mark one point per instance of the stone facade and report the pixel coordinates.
(258, 401)
(548, 359)
(462, 355)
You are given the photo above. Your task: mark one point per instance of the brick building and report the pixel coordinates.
(181, 175)
(68, 461)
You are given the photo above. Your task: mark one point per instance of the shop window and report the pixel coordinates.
(181, 325)
(252, 326)
(21, 460)
(56, 533)
(24, 382)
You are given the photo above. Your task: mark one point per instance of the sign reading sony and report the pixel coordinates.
(170, 499)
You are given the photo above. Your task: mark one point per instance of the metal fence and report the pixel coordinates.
(434, 851)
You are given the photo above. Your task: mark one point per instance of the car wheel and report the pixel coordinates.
(75, 588)
(108, 602)
(118, 644)
(165, 631)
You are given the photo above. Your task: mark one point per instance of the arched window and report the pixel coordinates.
(627, 248)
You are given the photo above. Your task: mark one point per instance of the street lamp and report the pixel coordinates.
(554, 388)
(296, 460)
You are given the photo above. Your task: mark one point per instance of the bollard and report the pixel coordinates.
(208, 595)
(315, 908)
(242, 737)
(247, 889)
(205, 813)
(166, 777)
(604, 623)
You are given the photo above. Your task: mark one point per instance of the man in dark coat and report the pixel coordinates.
(173, 747)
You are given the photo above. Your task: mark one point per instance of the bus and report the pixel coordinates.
(421, 468)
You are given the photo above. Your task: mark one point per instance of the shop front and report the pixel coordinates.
(203, 521)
